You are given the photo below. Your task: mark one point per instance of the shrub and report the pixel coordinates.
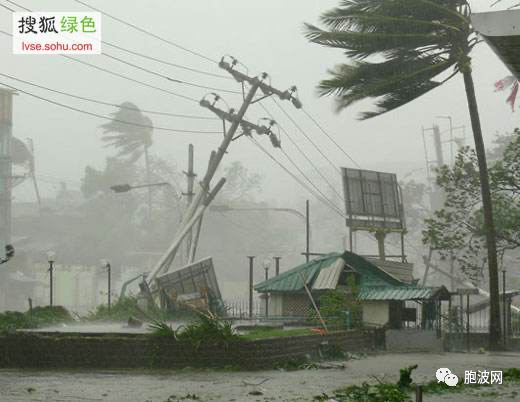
(208, 329)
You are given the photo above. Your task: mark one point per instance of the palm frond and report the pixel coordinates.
(418, 41)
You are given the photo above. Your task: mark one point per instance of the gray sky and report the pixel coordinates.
(266, 35)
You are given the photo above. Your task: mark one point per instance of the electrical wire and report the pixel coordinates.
(303, 154)
(120, 20)
(108, 117)
(108, 103)
(296, 178)
(161, 61)
(330, 137)
(175, 80)
(306, 136)
(7, 8)
(323, 196)
(121, 75)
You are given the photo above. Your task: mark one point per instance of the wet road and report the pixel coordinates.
(302, 385)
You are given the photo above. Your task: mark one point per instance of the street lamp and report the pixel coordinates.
(124, 188)
(51, 255)
(106, 264)
(504, 310)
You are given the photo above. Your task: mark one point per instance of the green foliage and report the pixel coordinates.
(457, 230)
(48, 315)
(405, 377)
(121, 310)
(41, 316)
(208, 329)
(369, 393)
(341, 307)
(409, 44)
(160, 328)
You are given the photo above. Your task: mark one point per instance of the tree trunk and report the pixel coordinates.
(489, 225)
(148, 181)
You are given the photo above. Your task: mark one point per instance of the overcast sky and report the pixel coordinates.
(265, 35)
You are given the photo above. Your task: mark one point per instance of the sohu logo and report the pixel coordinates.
(446, 376)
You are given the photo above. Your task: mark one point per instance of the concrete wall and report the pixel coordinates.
(116, 351)
(375, 312)
(458, 342)
(409, 340)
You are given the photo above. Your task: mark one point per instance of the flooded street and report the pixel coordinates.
(301, 385)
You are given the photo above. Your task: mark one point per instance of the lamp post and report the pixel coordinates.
(51, 255)
(267, 265)
(504, 308)
(106, 264)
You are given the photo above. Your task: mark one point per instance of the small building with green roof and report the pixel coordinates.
(383, 286)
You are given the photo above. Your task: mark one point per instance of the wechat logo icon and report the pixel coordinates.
(446, 376)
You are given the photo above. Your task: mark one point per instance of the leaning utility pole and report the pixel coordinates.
(6, 128)
(237, 120)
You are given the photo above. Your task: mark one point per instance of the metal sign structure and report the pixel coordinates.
(191, 284)
(373, 201)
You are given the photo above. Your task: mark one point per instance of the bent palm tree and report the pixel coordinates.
(414, 46)
(132, 141)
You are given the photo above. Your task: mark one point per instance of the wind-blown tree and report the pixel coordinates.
(131, 140)
(399, 51)
(458, 228)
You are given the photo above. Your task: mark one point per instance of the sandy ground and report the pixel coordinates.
(301, 385)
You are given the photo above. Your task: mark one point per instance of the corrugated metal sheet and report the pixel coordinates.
(399, 270)
(290, 281)
(405, 293)
(328, 277)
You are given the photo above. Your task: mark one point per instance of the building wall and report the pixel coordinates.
(275, 304)
(376, 312)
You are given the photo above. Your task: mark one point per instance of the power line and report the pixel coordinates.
(107, 117)
(146, 70)
(133, 52)
(7, 8)
(303, 154)
(108, 103)
(330, 138)
(296, 178)
(323, 196)
(121, 75)
(176, 45)
(305, 135)
(178, 81)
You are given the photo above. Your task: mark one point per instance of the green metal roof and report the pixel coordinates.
(404, 293)
(290, 281)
